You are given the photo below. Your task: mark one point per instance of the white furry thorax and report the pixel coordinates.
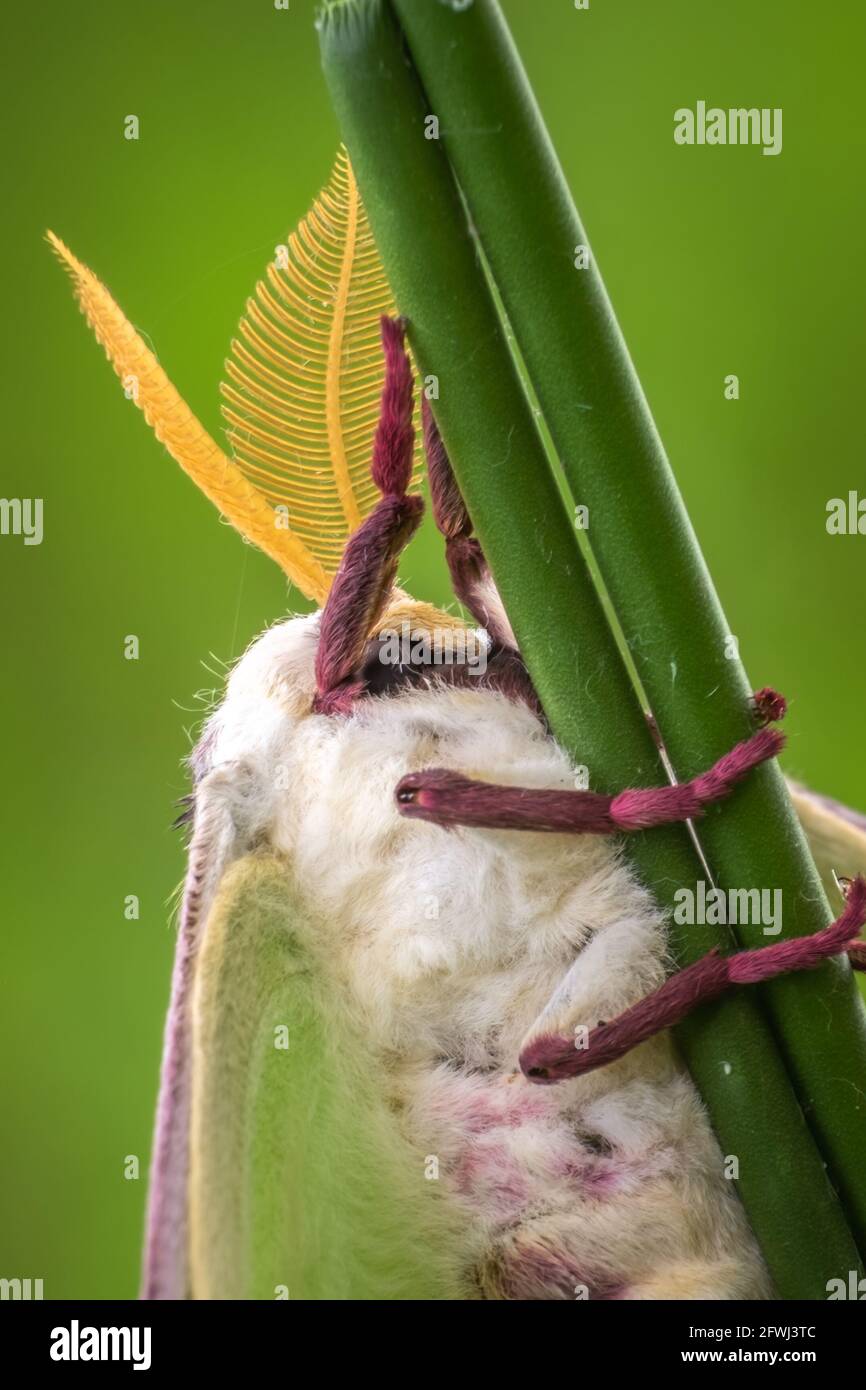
(452, 947)
(407, 910)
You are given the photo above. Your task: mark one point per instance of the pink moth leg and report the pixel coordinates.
(447, 798)
(368, 569)
(550, 1059)
(471, 579)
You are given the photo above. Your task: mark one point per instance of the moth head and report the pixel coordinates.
(280, 665)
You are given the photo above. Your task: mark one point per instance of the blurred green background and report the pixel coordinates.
(718, 261)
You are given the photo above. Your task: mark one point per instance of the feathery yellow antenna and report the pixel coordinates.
(185, 438)
(306, 372)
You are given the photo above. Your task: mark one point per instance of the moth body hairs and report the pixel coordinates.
(403, 850)
(470, 915)
(449, 951)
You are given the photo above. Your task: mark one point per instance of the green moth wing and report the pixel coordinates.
(300, 1183)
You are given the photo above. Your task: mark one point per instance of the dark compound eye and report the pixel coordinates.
(381, 674)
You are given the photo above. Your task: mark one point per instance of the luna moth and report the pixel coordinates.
(416, 1045)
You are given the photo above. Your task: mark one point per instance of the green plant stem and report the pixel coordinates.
(640, 534)
(430, 256)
